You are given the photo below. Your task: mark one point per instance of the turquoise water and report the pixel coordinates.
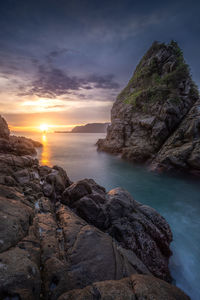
(177, 199)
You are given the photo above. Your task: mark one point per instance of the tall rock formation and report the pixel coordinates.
(148, 111)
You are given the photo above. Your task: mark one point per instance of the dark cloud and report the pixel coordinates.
(51, 56)
(53, 82)
(106, 82)
(61, 47)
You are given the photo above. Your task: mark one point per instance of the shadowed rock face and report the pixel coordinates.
(155, 102)
(64, 240)
(182, 149)
(136, 287)
(136, 227)
(4, 130)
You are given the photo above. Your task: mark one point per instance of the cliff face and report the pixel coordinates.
(64, 240)
(152, 106)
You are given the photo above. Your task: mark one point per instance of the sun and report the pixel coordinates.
(44, 127)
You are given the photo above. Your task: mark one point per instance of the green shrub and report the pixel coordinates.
(174, 99)
(150, 86)
(131, 99)
(173, 79)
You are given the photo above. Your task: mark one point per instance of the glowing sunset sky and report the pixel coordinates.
(63, 62)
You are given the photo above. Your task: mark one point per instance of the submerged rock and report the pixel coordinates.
(157, 99)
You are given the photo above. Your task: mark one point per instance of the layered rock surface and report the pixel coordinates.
(64, 240)
(136, 227)
(136, 287)
(156, 102)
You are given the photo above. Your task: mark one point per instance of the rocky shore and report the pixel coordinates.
(156, 118)
(64, 240)
(15, 144)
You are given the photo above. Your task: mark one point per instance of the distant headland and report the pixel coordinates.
(88, 128)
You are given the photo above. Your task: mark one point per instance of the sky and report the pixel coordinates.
(64, 62)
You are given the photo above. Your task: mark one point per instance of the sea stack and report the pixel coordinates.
(156, 119)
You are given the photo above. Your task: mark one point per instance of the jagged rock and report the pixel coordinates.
(151, 107)
(10, 163)
(77, 190)
(92, 254)
(22, 176)
(181, 150)
(23, 146)
(135, 226)
(138, 287)
(14, 144)
(4, 130)
(59, 179)
(48, 251)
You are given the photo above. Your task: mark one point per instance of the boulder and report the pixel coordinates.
(135, 226)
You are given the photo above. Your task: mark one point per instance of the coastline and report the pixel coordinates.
(49, 207)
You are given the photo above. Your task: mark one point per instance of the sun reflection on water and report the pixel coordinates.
(45, 155)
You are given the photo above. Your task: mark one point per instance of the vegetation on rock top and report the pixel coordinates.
(158, 76)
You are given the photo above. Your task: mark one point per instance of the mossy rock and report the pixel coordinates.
(151, 83)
